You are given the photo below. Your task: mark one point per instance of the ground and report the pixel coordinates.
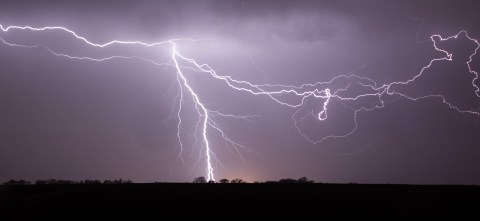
(236, 201)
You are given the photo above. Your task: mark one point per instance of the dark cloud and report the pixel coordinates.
(77, 119)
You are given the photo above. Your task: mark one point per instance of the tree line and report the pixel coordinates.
(238, 180)
(200, 179)
(55, 181)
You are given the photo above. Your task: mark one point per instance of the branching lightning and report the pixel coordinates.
(319, 91)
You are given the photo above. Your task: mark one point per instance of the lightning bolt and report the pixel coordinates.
(278, 93)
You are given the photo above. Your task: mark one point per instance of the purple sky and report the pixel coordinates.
(78, 119)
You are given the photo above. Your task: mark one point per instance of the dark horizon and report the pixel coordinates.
(77, 119)
(237, 201)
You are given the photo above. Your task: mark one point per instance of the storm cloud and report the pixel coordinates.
(70, 119)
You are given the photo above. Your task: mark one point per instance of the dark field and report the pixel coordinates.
(236, 201)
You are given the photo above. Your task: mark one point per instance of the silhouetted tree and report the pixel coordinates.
(305, 180)
(51, 181)
(40, 182)
(117, 181)
(200, 179)
(237, 180)
(212, 181)
(271, 181)
(287, 180)
(16, 182)
(92, 182)
(65, 182)
(54, 181)
(223, 181)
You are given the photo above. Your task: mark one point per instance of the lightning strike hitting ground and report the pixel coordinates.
(305, 93)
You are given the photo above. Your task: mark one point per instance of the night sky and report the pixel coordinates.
(79, 119)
